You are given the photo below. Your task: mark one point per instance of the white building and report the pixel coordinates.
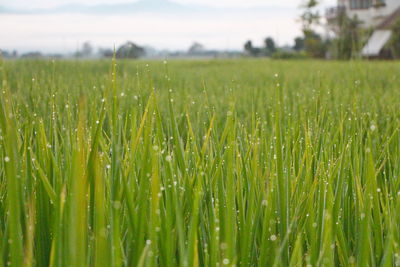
(377, 14)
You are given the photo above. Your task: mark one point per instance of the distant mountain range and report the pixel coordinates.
(141, 6)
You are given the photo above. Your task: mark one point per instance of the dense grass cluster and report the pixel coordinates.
(199, 163)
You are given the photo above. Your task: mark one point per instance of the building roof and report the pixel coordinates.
(390, 20)
(376, 42)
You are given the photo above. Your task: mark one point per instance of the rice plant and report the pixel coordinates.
(199, 163)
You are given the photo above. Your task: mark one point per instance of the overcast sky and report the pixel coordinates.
(227, 3)
(225, 31)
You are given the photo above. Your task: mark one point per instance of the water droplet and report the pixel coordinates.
(117, 205)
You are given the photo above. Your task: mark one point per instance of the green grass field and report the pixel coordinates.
(199, 163)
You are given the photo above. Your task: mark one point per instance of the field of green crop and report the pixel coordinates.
(199, 163)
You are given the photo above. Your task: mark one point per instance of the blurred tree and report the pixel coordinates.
(310, 16)
(87, 49)
(314, 45)
(196, 48)
(270, 47)
(6, 54)
(105, 52)
(310, 19)
(348, 42)
(349, 38)
(298, 44)
(394, 43)
(251, 50)
(33, 54)
(248, 47)
(130, 50)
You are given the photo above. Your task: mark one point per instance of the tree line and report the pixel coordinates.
(347, 41)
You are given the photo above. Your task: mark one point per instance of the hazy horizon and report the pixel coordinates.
(62, 26)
